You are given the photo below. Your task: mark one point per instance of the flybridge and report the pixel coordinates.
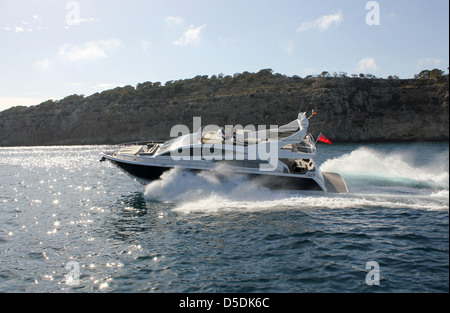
(261, 131)
(214, 143)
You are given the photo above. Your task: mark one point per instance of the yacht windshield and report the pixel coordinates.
(166, 146)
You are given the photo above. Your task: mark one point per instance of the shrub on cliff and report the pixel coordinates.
(436, 74)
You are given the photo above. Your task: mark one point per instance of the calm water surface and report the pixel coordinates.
(63, 213)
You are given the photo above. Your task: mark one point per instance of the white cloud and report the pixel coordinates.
(190, 36)
(430, 62)
(35, 24)
(366, 65)
(19, 29)
(88, 51)
(173, 20)
(287, 46)
(289, 49)
(42, 64)
(323, 23)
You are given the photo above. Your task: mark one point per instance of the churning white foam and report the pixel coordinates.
(221, 191)
(178, 185)
(394, 168)
(441, 194)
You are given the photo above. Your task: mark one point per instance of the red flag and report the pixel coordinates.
(324, 139)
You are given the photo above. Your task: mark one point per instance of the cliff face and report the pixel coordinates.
(348, 110)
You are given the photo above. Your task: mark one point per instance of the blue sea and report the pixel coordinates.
(70, 223)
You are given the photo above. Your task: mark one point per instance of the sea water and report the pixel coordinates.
(72, 224)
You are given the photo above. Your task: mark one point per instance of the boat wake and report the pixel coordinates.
(374, 180)
(366, 167)
(178, 185)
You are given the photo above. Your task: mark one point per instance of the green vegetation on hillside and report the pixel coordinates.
(203, 86)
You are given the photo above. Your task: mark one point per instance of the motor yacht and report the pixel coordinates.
(280, 158)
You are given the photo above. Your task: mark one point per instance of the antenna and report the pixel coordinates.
(302, 101)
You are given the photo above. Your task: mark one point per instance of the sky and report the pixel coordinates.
(50, 49)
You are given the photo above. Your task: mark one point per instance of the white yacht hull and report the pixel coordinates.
(313, 181)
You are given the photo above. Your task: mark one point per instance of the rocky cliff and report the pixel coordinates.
(348, 109)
